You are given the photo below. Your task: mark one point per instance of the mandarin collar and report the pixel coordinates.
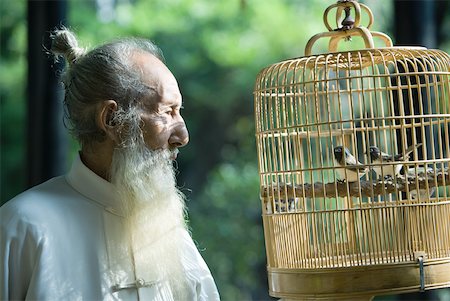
(93, 187)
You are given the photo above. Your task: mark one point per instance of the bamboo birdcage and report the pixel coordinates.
(332, 238)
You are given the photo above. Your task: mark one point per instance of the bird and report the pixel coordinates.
(421, 194)
(351, 170)
(389, 170)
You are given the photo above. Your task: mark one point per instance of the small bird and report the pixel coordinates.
(389, 170)
(352, 169)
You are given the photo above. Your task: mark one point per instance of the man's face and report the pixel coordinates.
(163, 126)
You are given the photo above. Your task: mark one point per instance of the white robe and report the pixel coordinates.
(61, 240)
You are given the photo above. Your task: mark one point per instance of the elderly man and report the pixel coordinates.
(114, 227)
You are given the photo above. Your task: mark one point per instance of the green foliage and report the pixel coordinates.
(226, 222)
(12, 98)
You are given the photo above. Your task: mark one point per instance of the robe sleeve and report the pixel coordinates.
(205, 288)
(19, 253)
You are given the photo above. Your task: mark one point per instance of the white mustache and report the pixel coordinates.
(174, 153)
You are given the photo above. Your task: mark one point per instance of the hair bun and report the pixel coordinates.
(64, 43)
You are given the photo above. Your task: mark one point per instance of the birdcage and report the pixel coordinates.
(353, 155)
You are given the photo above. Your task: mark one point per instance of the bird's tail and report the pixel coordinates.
(408, 151)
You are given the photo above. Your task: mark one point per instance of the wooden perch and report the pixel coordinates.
(355, 189)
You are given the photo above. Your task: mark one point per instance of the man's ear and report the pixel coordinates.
(105, 119)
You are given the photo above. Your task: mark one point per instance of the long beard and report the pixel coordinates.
(154, 214)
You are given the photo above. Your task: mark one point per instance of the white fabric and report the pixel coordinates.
(61, 241)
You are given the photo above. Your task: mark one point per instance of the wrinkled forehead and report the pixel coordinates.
(151, 69)
(155, 75)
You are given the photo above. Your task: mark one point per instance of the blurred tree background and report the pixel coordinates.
(215, 49)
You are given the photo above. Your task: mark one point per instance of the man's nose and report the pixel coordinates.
(180, 135)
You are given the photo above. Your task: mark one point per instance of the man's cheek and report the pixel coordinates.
(157, 136)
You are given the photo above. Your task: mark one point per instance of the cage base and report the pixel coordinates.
(358, 283)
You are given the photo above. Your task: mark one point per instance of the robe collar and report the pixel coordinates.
(93, 187)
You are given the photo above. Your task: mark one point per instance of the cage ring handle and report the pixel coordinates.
(361, 31)
(349, 27)
(336, 36)
(341, 9)
(343, 6)
(369, 13)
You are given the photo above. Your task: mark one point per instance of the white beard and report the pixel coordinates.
(154, 214)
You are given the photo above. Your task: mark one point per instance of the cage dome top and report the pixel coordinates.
(348, 22)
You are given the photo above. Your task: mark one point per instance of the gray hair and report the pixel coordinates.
(103, 73)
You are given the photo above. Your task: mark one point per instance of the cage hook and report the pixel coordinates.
(348, 21)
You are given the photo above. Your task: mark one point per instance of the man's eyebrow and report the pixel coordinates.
(150, 88)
